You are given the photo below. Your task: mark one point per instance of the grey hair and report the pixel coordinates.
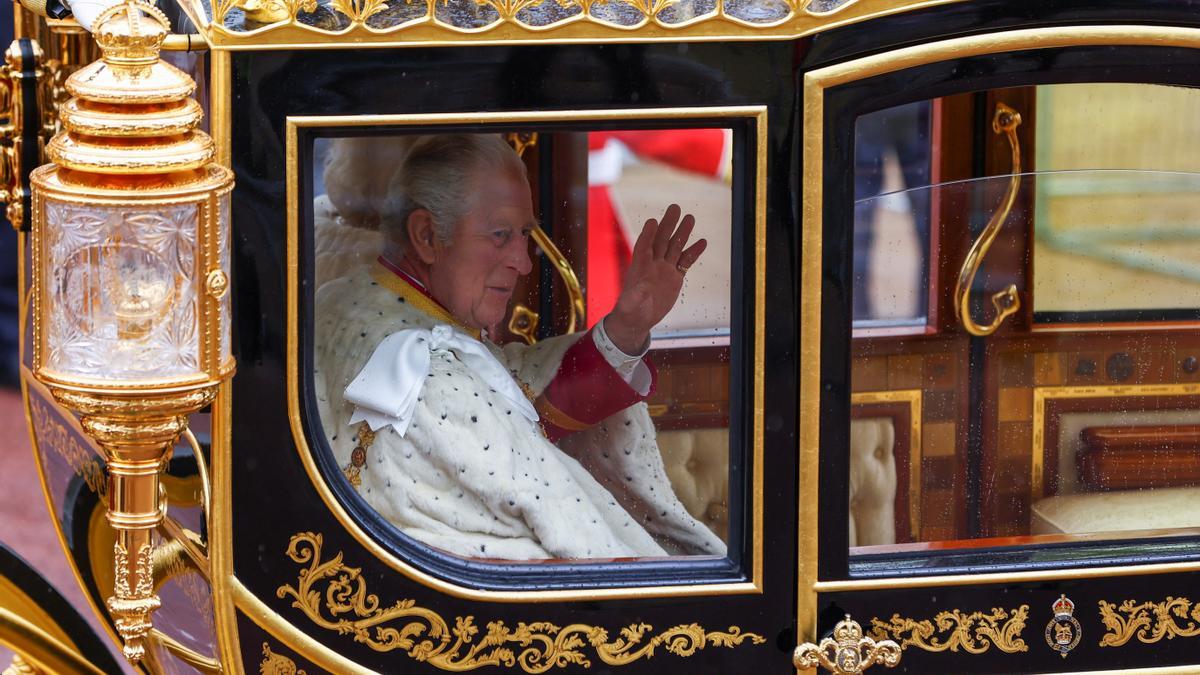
(436, 175)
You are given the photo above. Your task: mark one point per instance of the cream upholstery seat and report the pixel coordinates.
(697, 462)
(1157, 509)
(872, 481)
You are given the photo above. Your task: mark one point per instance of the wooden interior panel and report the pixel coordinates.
(693, 388)
(1110, 362)
(937, 367)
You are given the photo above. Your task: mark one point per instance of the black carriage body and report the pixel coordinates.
(274, 499)
(344, 86)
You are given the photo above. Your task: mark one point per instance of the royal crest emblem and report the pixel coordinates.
(1063, 632)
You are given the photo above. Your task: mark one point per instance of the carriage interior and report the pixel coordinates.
(1067, 409)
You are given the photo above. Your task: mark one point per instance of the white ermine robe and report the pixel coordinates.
(474, 477)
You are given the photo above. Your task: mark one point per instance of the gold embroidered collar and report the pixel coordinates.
(418, 298)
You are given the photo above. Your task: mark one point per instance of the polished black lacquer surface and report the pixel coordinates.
(274, 498)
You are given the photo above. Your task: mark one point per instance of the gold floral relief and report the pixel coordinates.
(1149, 622)
(53, 435)
(334, 596)
(277, 664)
(254, 24)
(529, 14)
(974, 633)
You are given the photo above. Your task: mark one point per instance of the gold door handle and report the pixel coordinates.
(848, 652)
(567, 273)
(1004, 121)
(524, 320)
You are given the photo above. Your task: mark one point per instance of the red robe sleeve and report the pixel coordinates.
(585, 390)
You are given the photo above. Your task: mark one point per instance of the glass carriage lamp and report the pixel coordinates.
(131, 312)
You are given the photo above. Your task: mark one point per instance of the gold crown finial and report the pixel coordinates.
(132, 114)
(127, 38)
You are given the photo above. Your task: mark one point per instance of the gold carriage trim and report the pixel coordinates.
(348, 609)
(974, 633)
(1149, 622)
(277, 664)
(267, 24)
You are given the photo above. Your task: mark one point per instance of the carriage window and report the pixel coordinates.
(522, 341)
(1053, 393)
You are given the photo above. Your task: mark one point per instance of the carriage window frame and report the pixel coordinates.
(741, 570)
(835, 97)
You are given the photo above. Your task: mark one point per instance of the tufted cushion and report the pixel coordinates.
(872, 481)
(1158, 509)
(697, 462)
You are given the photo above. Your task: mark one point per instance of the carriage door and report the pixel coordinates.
(1009, 241)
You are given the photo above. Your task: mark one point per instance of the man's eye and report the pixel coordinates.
(500, 235)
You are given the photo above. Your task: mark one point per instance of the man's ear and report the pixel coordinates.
(421, 235)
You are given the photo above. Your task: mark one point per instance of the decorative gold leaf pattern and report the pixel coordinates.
(297, 6)
(52, 435)
(651, 8)
(277, 664)
(334, 596)
(508, 9)
(974, 633)
(358, 11)
(1149, 621)
(314, 17)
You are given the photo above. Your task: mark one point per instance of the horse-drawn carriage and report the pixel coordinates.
(928, 399)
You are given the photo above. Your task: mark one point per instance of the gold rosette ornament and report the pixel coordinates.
(131, 314)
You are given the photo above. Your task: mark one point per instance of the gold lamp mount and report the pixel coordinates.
(131, 311)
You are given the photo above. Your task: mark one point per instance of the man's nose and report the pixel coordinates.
(519, 258)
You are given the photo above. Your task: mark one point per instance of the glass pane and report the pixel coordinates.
(1117, 244)
(1080, 434)
(628, 174)
(430, 285)
(891, 156)
(123, 305)
(1137, 232)
(1049, 388)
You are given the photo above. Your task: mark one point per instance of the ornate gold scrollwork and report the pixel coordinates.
(1149, 621)
(12, 125)
(348, 609)
(974, 633)
(277, 664)
(848, 652)
(131, 605)
(49, 75)
(1004, 121)
(524, 320)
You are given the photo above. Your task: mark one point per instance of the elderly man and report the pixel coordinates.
(521, 452)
